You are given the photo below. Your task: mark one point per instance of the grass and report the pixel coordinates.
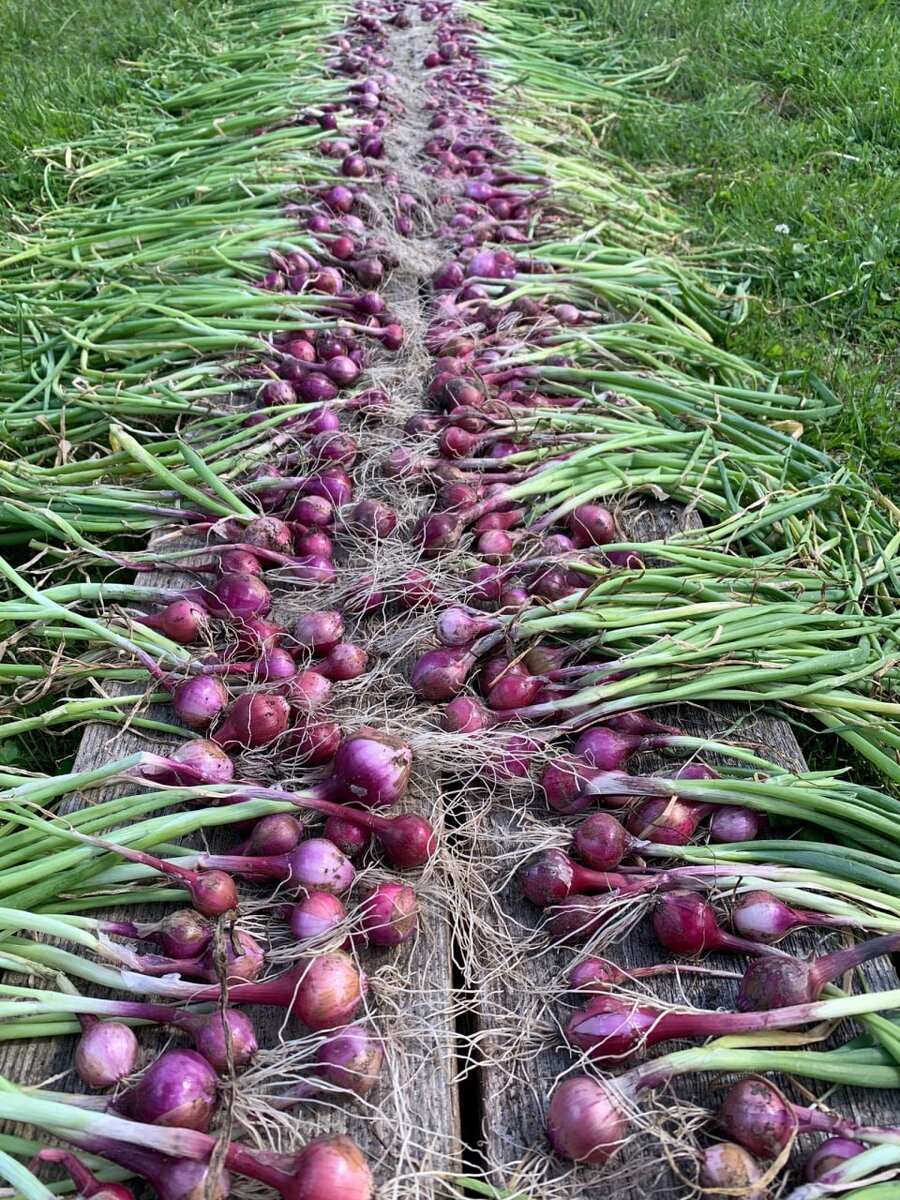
(782, 132)
(64, 70)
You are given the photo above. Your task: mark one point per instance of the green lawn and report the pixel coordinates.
(64, 70)
(784, 120)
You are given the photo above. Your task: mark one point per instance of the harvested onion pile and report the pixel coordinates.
(363, 574)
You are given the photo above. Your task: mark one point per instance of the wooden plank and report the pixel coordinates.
(520, 1010)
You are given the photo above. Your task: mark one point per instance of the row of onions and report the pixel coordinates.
(373, 577)
(554, 389)
(239, 662)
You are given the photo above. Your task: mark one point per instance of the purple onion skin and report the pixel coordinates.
(764, 918)
(316, 915)
(212, 1041)
(107, 1051)
(312, 743)
(730, 1168)
(830, 1155)
(756, 1116)
(237, 597)
(170, 1178)
(371, 768)
(782, 981)
(178, 1090)
(593, 975)
(732, 823)
(577, 918)
(351, 1059)
(441, 674)
(585, 1123)
(319, 631)
(349, 836)
(344, 662)
(197, 761)
(278, 833)
(602, 842)
(182, 934)
(389, 914)
(200, 700)
(318, 865)
(255, 719)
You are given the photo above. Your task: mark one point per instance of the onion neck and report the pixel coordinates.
(831, 966)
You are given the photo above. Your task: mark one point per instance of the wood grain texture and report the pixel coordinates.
(519, 1027)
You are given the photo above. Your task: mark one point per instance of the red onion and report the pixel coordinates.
(351, 838)
(279, 833)
(316, 915)
(578, 918)
(832, 1153)
(182, 621)
(279, 391)
(212, 894)
(389, 914)
(269, 533)
(592, 525)
(180, 934)
(465, 714)
(314, 865)
(447, 277)
(685, 923)
(179, 1089)
(552, 876)
(732, 823)
(321, 992)
(586, 1121)
(273, 665)
(239, 562)
(330, 1168)
(666, 821)
(314, 544)
(312, 743)
(255, 636)
(609, 749)
(170, 1178)
(441, 674)
(785, 982)
(255, 719)
(106, 1052)
(564, 782)
(197, 761)
(312, 511)
(313, 570)
(319, 631)
(372, 768)
(417, 589)
(213, 1032)
(601, 842)
(759, 1118)
(307, 692)
(764, 918)
(237, 597)
(343, 662)
(350, 1059)
(199, 700)
(86, 1184)
(333, 484)
(372, 518)
(730, 1168)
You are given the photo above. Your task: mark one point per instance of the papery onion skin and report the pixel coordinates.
(107, 1051)
(585, 1123)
